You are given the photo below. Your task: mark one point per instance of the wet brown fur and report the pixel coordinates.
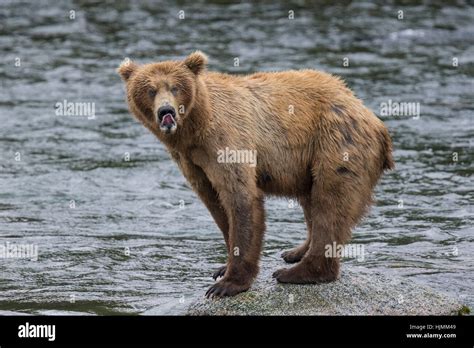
(329, 154)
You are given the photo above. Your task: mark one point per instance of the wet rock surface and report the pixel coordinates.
(355, 293)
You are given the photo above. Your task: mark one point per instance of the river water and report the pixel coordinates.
(116, 226)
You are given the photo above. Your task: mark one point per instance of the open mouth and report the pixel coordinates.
(167, 118)
(168, 121)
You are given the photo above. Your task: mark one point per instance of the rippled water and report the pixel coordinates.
(111, 235)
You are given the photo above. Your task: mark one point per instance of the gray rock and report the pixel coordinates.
(355, 293)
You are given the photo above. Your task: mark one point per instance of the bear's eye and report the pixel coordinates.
(152, 92)
(174, 90)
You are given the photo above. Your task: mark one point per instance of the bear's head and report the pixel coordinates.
(161, 95)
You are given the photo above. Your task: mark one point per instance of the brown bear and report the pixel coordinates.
(313, 140)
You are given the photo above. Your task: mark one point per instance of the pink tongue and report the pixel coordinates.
(167, 120)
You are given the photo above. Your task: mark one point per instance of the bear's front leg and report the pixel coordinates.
(244, 206)
(203, 187)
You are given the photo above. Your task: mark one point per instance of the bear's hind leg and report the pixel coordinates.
(337, 204)
(296, 254)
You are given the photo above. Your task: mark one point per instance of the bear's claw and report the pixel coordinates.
(220, 272)
(296, 254)
(290, 256)
(278, 272)
(225, 288)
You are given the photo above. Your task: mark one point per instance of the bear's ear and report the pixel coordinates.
(126, 69)
(196, 62)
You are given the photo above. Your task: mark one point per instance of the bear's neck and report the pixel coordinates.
(193, 132)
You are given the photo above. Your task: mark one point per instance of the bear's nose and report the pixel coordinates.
(164, 110)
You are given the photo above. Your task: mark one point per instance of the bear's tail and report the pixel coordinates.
(387, 149)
